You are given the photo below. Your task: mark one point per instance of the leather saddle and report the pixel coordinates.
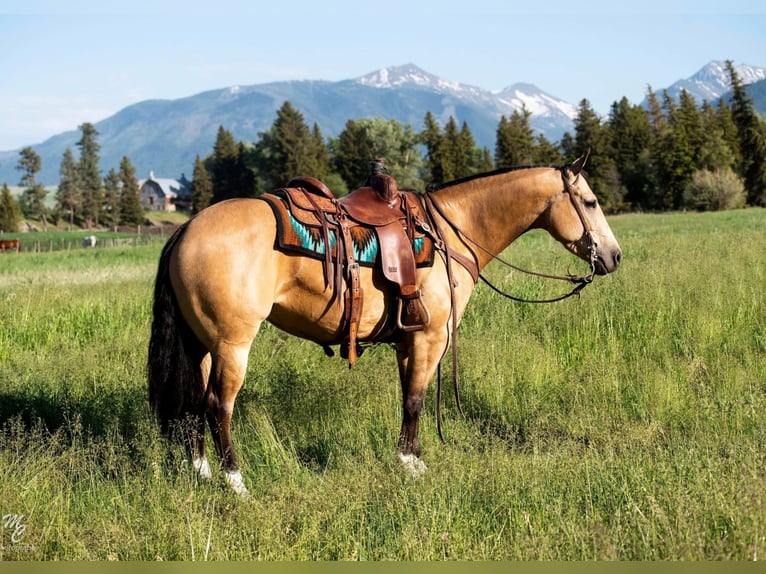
(394, 215)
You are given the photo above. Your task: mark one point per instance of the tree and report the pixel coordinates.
(591, 133)
(431, 137)
(715, 190)
(131, 211)
(201, 187)
(111, 209)
(677, 159)
(751, 135)
(632, 138)
(321, 155)
(363, 140)
(546, 153)
(484, 162)
(450, 151)
(89, 175)
(465, 153)
(716, 150)
(287, 149)
(68, 195)
(225, 166)
(33, 199)
(515, 140)
(10, 211)
(352, 152)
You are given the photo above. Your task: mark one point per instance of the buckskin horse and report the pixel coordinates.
(222, 274)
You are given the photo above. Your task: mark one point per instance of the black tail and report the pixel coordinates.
(175, 380)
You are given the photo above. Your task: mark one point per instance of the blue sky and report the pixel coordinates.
(65, 63)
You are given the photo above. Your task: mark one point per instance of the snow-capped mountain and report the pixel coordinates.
(712, 81)
(166, 135)
(550, 115)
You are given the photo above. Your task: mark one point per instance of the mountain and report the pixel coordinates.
(712, 81)
(757, 91)
(166, 135)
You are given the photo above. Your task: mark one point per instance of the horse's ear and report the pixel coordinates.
(579, 163)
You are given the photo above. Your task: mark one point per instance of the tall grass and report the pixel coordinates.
(628, 424)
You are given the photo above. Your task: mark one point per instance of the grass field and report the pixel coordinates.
(628, 424)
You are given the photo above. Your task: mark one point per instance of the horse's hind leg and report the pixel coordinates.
(228, 367)
(199, 458)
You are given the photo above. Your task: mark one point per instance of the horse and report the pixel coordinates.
(221, 275)
(9, 244)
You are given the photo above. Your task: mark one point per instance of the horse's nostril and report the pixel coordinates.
(618, 257)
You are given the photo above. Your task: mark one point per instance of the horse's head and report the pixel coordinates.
(575, 219)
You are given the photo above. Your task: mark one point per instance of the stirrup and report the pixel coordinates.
(416, 300)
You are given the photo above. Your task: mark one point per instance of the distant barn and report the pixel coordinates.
(165, 194)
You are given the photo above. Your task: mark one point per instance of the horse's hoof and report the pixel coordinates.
(234, 480)
(412, 465)
(203, 468)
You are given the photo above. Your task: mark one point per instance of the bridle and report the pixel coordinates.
(579, 282)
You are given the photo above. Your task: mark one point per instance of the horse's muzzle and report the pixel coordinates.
(607, 262)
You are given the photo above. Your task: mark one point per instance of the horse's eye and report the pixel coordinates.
(591, 203)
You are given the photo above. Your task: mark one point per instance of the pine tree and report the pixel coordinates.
(515, 140)
(466, 153)
(89, 175)
(632, 138)
(131, 211)
(591, 134)
(725, 121)
(678, 155)
(10, 211)
(715, 151)
(484, 162)
(352, 152)
(450, 151)
(68, 195)
(546, 153)
(33, 199)
(111, 209)
(201, 187)
(432, 138)
(225, 160)
(288, 149)
(751, 134)
(689, 115)
(320, 167)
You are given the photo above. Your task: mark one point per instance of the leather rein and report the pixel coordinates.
(580, 282)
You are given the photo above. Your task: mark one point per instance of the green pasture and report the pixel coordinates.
(627, 424)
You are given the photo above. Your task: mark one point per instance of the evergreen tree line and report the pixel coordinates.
(83, 197)
(671, 154)
(665, 156)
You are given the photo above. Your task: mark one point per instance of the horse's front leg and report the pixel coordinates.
(417, 363)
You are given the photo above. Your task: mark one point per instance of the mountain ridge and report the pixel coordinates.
(165, 135)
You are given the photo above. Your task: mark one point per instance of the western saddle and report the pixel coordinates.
(394, 215)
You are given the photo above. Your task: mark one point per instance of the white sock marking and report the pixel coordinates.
(412, 465)
(237, 484)
(202, 467)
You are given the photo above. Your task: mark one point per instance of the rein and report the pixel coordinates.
(580, 282)
(448, 254)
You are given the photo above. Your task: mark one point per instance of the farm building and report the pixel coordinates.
(165, 194)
